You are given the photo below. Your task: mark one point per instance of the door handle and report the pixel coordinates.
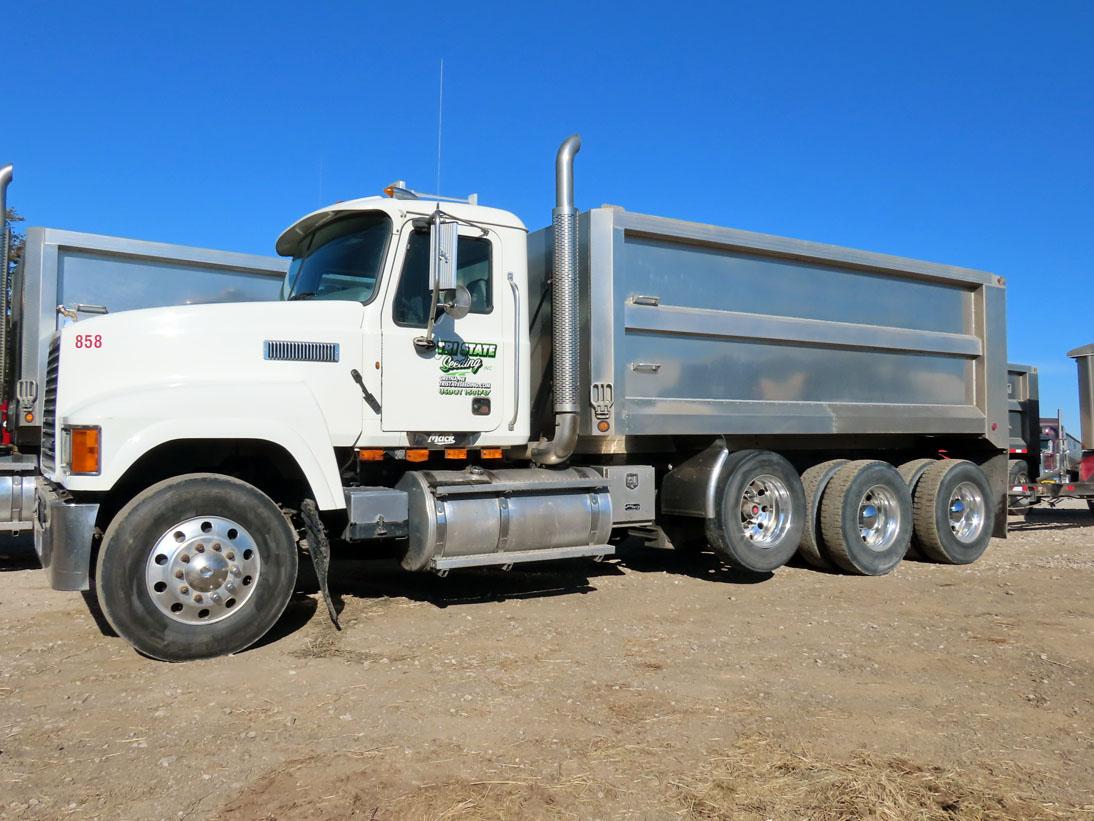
(516, 350)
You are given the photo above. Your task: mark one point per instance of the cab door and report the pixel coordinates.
(458, 386)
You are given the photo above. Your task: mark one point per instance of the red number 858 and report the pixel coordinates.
(89, 340)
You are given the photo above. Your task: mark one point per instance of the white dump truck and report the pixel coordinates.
(437, 376)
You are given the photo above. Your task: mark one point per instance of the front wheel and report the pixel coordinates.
(196, 566)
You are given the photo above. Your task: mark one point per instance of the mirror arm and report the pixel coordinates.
(427, 342)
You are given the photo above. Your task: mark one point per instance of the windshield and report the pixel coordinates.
(341, 260)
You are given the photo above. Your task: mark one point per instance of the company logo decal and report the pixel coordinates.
(466, 367)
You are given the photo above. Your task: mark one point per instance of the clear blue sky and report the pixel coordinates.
(959, 132)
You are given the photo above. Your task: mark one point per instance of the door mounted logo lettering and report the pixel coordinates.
(466, 368)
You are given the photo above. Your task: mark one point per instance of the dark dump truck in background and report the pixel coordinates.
(1047, 463)
(65, 277)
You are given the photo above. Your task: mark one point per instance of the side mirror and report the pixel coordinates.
(443, 240)
(459, 305)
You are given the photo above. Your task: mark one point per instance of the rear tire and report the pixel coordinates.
(912, 472)
(814, 482)
(197, 566)
(1017, 474)
(760, 511)
(866, 518)
(953, 511)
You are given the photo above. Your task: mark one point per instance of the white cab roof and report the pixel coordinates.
(398, 210)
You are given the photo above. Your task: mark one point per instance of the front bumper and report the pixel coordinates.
(63, 531)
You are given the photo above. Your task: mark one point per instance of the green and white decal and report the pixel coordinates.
(466, 367)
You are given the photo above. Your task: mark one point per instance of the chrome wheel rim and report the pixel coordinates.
(878, 517)
(202, 570)
(966, 512)
(765, 510)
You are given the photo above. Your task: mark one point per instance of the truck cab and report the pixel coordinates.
(465, 385)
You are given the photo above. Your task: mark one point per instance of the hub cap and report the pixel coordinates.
(202, 570)
(765, 510)
(878, 517)
(966, 512)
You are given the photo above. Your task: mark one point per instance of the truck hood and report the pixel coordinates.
(187, 351)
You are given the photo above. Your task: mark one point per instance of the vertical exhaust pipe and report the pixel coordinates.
(6, 173)
(564, 312)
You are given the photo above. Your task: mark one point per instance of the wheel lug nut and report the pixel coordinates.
(184, 558)
(178, 574)
(216, 598)
(216, 547)
(235, 571)
(184, 590)
(231, 588)
(197, 598)
(201, 548)
(230, 555)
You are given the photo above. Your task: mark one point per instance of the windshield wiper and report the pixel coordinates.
(302, 295)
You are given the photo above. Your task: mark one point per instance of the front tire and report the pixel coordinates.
(196, 566)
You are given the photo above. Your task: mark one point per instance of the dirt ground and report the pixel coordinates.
(647, 686)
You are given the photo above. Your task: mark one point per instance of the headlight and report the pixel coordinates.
(83, 451)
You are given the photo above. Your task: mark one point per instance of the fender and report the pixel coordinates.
(137, 420)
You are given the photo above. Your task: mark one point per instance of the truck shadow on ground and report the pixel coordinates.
(382, 578)
(1046, 518)
(17, 553)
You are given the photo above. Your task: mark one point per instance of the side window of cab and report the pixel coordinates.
(474, 271)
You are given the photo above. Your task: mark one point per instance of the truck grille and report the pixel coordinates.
(49, 407)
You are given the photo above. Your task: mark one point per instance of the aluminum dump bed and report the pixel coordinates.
(86, 273)
(695, 329)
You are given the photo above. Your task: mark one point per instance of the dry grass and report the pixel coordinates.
(759, 779)
(755, 779)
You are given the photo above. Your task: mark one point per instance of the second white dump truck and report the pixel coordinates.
(438, 376)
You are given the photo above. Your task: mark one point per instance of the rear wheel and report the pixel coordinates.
(1017, 474)
(760, 511)
(866, 517)
(196, 566)
(953, 508)
(912, 472)
(814, 482)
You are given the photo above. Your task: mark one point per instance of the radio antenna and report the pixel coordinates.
(440, 122)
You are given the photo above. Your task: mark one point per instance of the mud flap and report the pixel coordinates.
(319, 549)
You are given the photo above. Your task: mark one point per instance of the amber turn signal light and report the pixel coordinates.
(417, 455)
(455, 453)
(370, 455)
(492, 453)
(86, 457)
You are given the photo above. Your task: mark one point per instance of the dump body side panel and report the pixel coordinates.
(706, 330)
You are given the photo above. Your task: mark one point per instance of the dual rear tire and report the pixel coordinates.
(868, 514)
(861, 516)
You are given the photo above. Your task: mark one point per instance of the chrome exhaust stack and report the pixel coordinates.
(6, 173)
(564, 312)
